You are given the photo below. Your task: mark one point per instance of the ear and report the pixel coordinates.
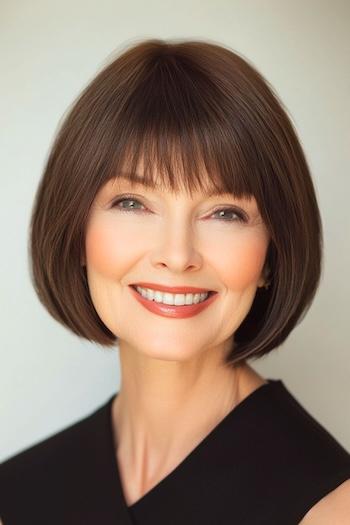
(264, 276)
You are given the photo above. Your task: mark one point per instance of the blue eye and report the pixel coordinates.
(240, 217)
(129, 198)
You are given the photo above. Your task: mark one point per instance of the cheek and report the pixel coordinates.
(242, 261)
(108, 249)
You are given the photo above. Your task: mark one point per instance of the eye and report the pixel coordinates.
(126, 198)
(239, 215)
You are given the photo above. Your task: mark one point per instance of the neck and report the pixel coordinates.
(163, 411)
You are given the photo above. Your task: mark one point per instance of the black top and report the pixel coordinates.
(268, 461)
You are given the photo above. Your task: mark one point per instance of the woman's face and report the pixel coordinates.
(173, 240)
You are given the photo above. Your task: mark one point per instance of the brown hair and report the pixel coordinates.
(181, 105)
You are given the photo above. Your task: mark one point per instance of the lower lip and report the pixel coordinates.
(168, 310)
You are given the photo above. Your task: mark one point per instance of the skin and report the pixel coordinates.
(171, 379)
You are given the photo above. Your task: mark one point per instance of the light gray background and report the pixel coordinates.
(49, 51)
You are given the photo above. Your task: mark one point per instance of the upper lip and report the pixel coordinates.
(172, 289)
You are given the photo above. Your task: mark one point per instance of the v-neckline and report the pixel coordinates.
(219, 427)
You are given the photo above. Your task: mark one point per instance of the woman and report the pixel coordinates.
(177, 217)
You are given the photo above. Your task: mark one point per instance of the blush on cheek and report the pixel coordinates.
(244, 264)
(109, 250)
(99, 248)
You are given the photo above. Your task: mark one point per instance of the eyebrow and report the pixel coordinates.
(139, 180)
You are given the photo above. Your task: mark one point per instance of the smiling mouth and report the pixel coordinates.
(209, 292)
(171, 305)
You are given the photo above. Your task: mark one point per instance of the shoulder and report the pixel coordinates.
(311, 471)
(47, 452)
(38, 461)
(37, 475)
(333, 508)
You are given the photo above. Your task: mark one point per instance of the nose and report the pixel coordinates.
(176, 249)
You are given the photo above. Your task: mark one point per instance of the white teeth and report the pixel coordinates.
(176, 299)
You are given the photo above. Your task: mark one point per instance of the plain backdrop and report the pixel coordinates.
(49, 51)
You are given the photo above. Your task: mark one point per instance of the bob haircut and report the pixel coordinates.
(204, 119)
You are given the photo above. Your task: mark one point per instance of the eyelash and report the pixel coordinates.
(240, 216)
